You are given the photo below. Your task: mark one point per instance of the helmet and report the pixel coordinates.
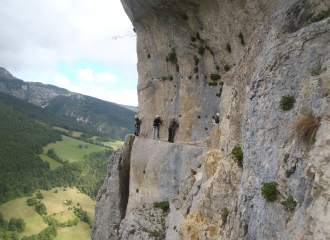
(218, 114)
(135, 116)
(157, 116)
(173, 117)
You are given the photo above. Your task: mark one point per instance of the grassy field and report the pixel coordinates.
(68, 149)
(74, 134)
(54, 204)
(114, 145)
(79, 232)
(53, 164)
(18, 208)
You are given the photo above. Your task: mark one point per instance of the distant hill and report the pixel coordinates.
(106, 117)
(132, 108)
(42, 115)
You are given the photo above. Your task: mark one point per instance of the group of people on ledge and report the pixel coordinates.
(171, 128)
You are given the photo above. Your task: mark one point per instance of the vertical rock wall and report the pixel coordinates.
(282, 55)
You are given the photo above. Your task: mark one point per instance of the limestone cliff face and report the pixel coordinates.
(197, 175)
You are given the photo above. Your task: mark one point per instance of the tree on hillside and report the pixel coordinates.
(31, 201)
(80, 146)
(39, 195)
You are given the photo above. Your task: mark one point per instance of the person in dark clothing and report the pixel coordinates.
(157, 121)
(171, 128)
(137, 125)
(217, 120)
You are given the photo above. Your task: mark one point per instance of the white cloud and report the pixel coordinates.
(127, 97)
(105, 78)
(85, 75)
(70, 30)
(61, 81)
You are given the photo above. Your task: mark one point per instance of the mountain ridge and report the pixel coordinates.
(106, 117)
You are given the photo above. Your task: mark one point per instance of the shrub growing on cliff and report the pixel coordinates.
(319, 17)
(198, 37)
(289, 203)
(305, 128)
(162, 205)
(224, 215)
(172, 57)
(242, 38)
(171, 78)
(201, 50)
(287, 102)
(148, 55)
(226, 68)
(237, 155)
(185, 17)
(196, 69)
(215, 77)
(269, 191)
(228, 47)
(193, 39)
(177, 68)
(196, 60)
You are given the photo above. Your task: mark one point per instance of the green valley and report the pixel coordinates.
(44, 153)
(57, 209)
(68, 149)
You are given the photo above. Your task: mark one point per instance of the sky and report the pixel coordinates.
(69, 43)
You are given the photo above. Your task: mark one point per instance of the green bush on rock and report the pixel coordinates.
(287, 102)
(162, 205)
(269, 191)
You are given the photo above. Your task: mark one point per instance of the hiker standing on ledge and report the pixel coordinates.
(137, 125)
(217, 120)
(171, 128)
(157, 121)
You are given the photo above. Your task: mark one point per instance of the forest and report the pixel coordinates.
(22, 171)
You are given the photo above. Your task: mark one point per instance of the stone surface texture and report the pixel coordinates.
(282, 55)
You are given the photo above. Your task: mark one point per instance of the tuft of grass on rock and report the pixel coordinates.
(226, 68)
(305, 127)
